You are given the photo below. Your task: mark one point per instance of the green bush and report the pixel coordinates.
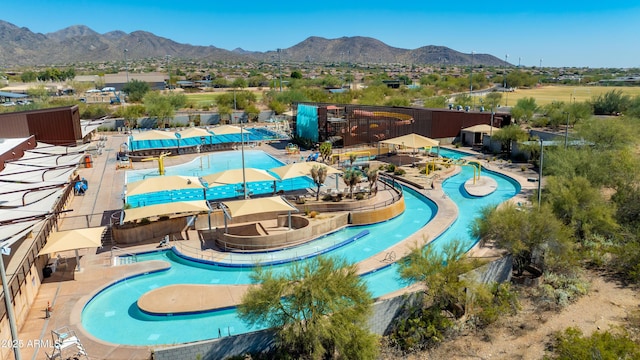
(390, 168)
(399, 172)
(359, 196)
(571, 344)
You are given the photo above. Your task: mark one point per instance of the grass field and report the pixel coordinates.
(544, 95)
(209, 98)
(547, 94)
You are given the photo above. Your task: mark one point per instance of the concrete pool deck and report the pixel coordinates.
(67, 291)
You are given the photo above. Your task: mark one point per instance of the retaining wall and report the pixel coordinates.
(383, 314)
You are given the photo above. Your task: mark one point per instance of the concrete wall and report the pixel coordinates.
(180, 119)
(136, 233)
(378, 215)
(304, 230)
(249, 236)
(384, 313)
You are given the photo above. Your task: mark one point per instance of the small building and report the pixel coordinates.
(56, 126)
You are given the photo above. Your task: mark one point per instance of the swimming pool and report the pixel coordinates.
(210, 164)
(115, 307)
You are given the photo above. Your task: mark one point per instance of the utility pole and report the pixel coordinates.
(169, 70)
(126, 64)
(471, 83)
(280, 67)
(540, 174)
(566, 132)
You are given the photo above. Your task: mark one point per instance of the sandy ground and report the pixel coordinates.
(528, 334)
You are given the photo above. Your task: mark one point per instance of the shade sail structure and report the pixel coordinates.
(167, 209)
(258, 206)
(194, 132)
(73, 240)
(413, 141)
(301, 169)
(48, 160)
(235, 176)
(228, 129)
(163, 183)
(482, 128)
(154, 135)
(36, 174)
(43, 148)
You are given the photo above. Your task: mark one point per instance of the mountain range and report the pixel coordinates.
(19, 46)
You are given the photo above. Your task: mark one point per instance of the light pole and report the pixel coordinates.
(9, 305)
(169, 70)
(280, 67)
(566, 132)
(540, 174)
(126, 64)
(244, 177)
(471, 82)
(506, 56)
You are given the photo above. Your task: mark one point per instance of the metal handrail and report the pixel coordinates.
(390, 257)
(116, 249)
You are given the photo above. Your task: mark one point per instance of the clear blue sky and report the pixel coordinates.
(562, 33)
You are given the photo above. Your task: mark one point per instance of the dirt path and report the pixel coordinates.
(527, 335)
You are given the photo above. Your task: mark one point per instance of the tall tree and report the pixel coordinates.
(580, 206)
(509, 134)
(372, 177)
(319, 175)
(318, 309)
(351, 177)
(326, 149)
(525, 109)
(160, 107)
(136, 90)
(526, 233)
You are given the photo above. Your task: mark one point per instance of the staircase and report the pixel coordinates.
(107, 237)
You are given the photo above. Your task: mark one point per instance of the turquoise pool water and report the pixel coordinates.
(210, 164)
(115, 307)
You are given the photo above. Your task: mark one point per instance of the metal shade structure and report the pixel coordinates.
(153, 135)
(258, 206)
(194, 132)
(235, 176)
(413, 141)
(228, 129)
(73, 240)
(166, 209)
(163, 183)
(301, 169)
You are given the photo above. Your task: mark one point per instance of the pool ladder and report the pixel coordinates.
(390, 257)
(117, 257)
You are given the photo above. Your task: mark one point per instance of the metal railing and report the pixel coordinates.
(117, 252)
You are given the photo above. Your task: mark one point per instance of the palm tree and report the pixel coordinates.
(372, 177)
(352, 158)
(351, 177)
(319, 175)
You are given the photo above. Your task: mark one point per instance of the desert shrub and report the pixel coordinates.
(572, 344)
(327, 197)
(163, 217)
(313, 214)
(390, 168)
(399, 172)
(359, 196)
(493, 301)
(421, 328)
(144, 221)
(559, 290)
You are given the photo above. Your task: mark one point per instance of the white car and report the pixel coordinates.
(9, 103)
